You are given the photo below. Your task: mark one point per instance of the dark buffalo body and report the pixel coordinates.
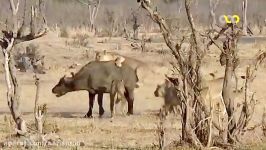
(96, 77)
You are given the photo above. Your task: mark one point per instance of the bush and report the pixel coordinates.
(31, 59)
(79, 40)
(64, 32)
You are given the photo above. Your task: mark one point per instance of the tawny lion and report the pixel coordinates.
(117, 95)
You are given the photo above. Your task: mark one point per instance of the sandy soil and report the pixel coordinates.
(137, 131)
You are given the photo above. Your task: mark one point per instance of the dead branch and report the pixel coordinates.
(213, 5)
(163, 26)
(247, 109)
(221, 32)
(263, 122)
(37, 114)
(244, 14)
(161, 130)
(210, 126)
(192, 25)
(143, 44)
(135, 26)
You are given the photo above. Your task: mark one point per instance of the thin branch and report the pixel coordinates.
(13, 7)
(87, 4)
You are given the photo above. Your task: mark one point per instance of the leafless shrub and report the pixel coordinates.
(173, 23)
(162, 52)
(89, 54)
(161, 130)
(30, 59)
(143, 44)
(9, 125)
(79, 40)
(110, 20)
(136, 25)
(64, 32)
(39, 110)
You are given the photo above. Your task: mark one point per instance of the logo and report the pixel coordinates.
(229, 19)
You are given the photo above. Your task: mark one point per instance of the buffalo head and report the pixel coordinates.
(64, 86)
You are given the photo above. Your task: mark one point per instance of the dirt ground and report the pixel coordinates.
(138, 131)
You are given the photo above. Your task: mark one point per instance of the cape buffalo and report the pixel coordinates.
(96, 77)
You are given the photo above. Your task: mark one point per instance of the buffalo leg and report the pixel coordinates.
(91, 102)
(100, 103)
(129, 94)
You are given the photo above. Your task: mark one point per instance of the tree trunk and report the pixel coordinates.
(244, 11)
(213, 5)
(13, 89)
(227, 97)
(33, 21)
(179, 6)
(7, 43)
(227, 91)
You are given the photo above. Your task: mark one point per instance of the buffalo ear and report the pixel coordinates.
(63, 78)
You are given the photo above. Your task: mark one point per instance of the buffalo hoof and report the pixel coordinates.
(101, 112)
(129, 113)
(88, 116)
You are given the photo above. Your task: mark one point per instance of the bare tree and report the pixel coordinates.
(213, 5)
(244, 14)
(179, 6)
(93, 6)
(7, 42)
(136, 26)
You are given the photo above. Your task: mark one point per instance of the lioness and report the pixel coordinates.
(108, 56)
(211, 92)
(116, 95)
